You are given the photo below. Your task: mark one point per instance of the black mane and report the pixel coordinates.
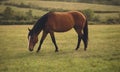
(39, 24)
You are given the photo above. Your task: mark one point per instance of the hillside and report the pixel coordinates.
(105, 2)
(108, 2)
(65, 5)
(38, 8)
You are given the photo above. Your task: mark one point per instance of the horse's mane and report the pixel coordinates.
(39, 25)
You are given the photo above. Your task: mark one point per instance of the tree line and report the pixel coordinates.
(9, 16)
(109, 2)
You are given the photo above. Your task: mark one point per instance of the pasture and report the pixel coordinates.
(102, 55)
(68, 5)
(41, 7)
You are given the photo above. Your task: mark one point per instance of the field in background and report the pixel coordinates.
(39, 8)
(103, 54)
(68, 5)
(23, 10)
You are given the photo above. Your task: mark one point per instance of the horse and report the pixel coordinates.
(59, 22)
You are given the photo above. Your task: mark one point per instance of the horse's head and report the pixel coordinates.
(32, 38)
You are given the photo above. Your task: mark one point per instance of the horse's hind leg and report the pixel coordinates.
(85, 42)
(79, 41)
(79, 37)
(54, 41)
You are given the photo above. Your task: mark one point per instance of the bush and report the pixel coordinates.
(9, 16)
(96, 18)
(113, 21)
(8, 13)
(89, 14)
(29, 14)
(12, 22)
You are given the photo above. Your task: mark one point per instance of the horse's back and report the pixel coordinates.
(60, 21)
(79, 18)
(64, 21)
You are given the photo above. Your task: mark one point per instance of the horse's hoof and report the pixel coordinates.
(85, 49)
(76, 49)
(37, 51)
(56, 51)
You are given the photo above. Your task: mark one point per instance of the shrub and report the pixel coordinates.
(9, 16)
(8, 13)
(89, 14)
(96, 18)
(29, 14)
(113, 21)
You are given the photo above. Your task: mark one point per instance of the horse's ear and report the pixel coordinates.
(29, 29)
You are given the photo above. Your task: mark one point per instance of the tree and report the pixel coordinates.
(89, 14)
(29, 14)
(8, 13)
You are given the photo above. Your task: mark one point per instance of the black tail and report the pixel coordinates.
(85, 36)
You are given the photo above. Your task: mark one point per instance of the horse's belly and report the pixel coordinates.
(63, 28)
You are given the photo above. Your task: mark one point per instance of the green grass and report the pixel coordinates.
(69, 5)
(23, 11)
(104, 16)
(62, 6)
(103, 54)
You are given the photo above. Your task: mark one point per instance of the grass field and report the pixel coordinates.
(103, 54)
(68, 5)
(23, 11)
(63, 6)
(75, 6)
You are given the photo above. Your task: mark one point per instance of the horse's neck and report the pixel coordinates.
(38, 32)
(36, 29)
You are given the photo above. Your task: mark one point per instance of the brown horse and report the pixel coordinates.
(59, 22)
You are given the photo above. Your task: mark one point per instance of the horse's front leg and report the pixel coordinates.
(54, 41)
(42, 39)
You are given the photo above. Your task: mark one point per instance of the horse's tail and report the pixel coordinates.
(85, 36)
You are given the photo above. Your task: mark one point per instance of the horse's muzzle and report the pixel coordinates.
(30, 49)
